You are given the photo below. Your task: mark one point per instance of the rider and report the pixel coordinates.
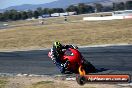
(57, 51)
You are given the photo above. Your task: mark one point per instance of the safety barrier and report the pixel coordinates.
(106, 18)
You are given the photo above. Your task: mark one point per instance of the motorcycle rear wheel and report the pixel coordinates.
(81, 80)
(89, 68)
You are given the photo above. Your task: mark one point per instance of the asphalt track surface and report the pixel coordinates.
(109, 60)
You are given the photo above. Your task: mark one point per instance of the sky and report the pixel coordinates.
(7, 3)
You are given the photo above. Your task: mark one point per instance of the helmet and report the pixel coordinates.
(57, 45)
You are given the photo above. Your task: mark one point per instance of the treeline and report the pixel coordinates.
(22, 15)
(122, 6)
(79, 9)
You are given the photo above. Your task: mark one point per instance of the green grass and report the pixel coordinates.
(43, 84)
(3, 82)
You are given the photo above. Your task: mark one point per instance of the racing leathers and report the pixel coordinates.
(56, 56)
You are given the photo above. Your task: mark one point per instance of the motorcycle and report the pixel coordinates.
(76, 62)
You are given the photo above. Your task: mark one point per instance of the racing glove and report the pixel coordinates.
(65, 65)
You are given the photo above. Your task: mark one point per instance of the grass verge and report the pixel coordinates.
(79, 33)
(51, 84)
(43, 84)
(3, 82)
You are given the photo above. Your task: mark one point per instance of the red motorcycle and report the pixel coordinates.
(76, 62)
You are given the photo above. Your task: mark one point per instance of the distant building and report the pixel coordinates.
(40, 17)
(122, 13)
(46, 15)
(33, 18)
(63, 14)
(55, 15)
(72, 13)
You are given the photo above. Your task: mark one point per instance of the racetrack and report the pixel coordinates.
(114, 59)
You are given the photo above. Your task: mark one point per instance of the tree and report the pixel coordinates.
(24, 15)
(98, 7)
(107, 8)
(89, 9)
(121, 6)
(19, 16)
(36, 14)
(81, 8)
(40, 11)
(50, 11)
(58, 10)
(114, 7)
(128, 5)
(6, 15)
(72, 8)
(13, 15)
(30, 14)
(118, 6)
(45, 11)
(2, 17)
